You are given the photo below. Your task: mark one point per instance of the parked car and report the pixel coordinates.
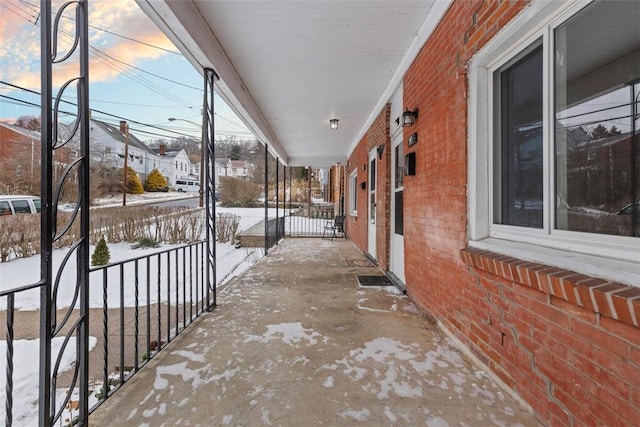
(13, 205)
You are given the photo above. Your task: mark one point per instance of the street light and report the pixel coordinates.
(202, 154)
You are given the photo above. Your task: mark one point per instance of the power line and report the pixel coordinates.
(16, 13)
(147, 72)
(144, 82)
(113, 34)
(93, 110)
(98, 111)
(114, 116)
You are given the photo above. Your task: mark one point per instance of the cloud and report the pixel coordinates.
(20, 45)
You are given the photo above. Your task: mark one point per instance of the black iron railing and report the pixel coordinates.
(158, 296)
(307, 226)
(275, 231)
(8, 302)
(139, 306)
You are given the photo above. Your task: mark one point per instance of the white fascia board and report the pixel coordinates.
(201, 48)
(429, 24)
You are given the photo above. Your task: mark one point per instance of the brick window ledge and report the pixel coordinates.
(607, 298)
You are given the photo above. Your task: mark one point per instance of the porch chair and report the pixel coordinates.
(334, 228)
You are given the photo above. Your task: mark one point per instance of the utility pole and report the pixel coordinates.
(126, 156)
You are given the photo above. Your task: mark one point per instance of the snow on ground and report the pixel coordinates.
(140, 199)
(231, 262)
(25, 381)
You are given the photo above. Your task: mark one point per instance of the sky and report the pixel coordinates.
(135, 72)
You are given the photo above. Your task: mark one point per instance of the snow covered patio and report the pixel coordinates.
(295, 341)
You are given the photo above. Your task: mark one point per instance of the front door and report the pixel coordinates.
(397, 209)
(372, 204)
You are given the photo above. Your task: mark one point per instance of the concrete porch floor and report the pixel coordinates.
(295, 341)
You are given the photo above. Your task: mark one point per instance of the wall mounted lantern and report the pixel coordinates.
(333, 123)
(409, 117)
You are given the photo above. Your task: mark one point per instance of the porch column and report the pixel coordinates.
(207, 188)
(73, 324)
(266, 199)
(277, 198)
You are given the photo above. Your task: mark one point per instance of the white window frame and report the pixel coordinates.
(611, 257)
(353, 188)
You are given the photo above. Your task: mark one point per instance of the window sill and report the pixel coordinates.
(605, 286)
(611, 269)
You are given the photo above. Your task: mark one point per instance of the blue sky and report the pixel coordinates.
(118, 89)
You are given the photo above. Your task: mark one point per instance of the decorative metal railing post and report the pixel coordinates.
(55, 139)
(46, 245)
(277, 197)
(290, 206)
(266, 199)
(208, 168)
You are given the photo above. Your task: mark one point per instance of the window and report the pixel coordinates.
(554, 146)
(5, 209)
(518, 181)
(596, 140)
(353, 187)
(21, 206)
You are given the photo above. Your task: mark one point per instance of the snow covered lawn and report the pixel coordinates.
(230, 262)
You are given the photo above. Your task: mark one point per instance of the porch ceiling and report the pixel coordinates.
(288, 67)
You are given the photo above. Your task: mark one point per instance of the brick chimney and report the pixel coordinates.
(163, 149)
(123, 127)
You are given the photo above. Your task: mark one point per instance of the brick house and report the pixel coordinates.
(551, 319)
(462, 165)
(19, 154)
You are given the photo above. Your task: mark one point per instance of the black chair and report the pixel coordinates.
(335, 228)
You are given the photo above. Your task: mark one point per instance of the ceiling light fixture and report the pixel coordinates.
(409, 117)
(333, 123)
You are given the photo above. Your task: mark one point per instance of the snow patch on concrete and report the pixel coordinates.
(194, 357)
(436, 422)
(390, 415)
(361, 415)
(292, 334)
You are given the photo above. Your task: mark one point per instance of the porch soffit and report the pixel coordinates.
(288, 67)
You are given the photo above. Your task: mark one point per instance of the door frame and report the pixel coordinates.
(372, 176)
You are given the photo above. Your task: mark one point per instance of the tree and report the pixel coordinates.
(101, 255)
(133, 182)
(614, 131)
(599, 132)
(236, 192)
(236, 152)
(155, 181)
(28, 122)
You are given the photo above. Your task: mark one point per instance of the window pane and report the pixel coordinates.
(399, 166)
(21, 206)
(372, 175)
(518, 157)
(399, 213)
(597, 72)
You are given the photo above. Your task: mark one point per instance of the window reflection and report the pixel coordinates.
(597, 90)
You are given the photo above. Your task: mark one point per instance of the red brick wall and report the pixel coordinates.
(357, 226)
(567, 343)
(17, 150)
